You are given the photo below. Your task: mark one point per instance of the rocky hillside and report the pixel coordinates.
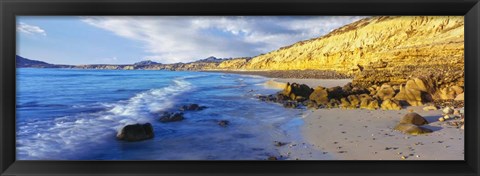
(22, 62)
(392, 45)
(376, 42)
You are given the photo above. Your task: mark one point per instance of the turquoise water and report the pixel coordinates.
(66, 114)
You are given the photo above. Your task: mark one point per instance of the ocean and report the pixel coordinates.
(69, 114)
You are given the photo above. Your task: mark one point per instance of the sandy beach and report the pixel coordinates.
(360, 134)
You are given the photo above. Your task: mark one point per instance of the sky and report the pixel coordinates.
(76, 40)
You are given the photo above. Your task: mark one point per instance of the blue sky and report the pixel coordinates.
(166, 39)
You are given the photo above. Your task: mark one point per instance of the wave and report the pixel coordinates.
(70, 136)
(33, 104)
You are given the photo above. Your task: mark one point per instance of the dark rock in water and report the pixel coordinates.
(223, 123)
(290, 104)
(136, 132)
(272, 158)
(280, 97)
(192, 107)
(413, 118)
(300, 99)
(279, 144)
(262, 97)
(171, 117)
(310, 104)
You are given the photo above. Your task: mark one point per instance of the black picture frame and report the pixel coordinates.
(11, 8)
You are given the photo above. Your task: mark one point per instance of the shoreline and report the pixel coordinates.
(359, 134)
(296, 74)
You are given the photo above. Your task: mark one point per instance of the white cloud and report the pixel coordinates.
(170, 39)
(30, 29)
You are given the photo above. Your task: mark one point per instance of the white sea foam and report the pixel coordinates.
(69, 136)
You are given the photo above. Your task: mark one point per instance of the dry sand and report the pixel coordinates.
(367, 135)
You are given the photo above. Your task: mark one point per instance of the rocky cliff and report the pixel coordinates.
(375, 42)
(397, 46)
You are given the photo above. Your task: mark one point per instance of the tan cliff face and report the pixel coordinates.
(395, 41)
(233, 64)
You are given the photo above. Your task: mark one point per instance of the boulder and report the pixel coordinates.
(418, 84)
(385, 92)
(373, 105)
(347, 87)
(335, 92)
(416, 92)
(300, 99)
(311, 104)
(136, 132)
(319, 95)
(457, 89)
(333, 103)
(446, 93)
(413, 118)
(460, 97)
(447, 110)
(354, 101)
(322, 95)
(396, 88)
(297, 91)
(411, 96)
(391, 104)
(411, 129)
(192, 107)
(367, 102)
(171, 117)
(457, 113)
(441, 119)
(345, 104)
(358, 90)
(372, 90)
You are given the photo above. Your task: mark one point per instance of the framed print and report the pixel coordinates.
(253, 87)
